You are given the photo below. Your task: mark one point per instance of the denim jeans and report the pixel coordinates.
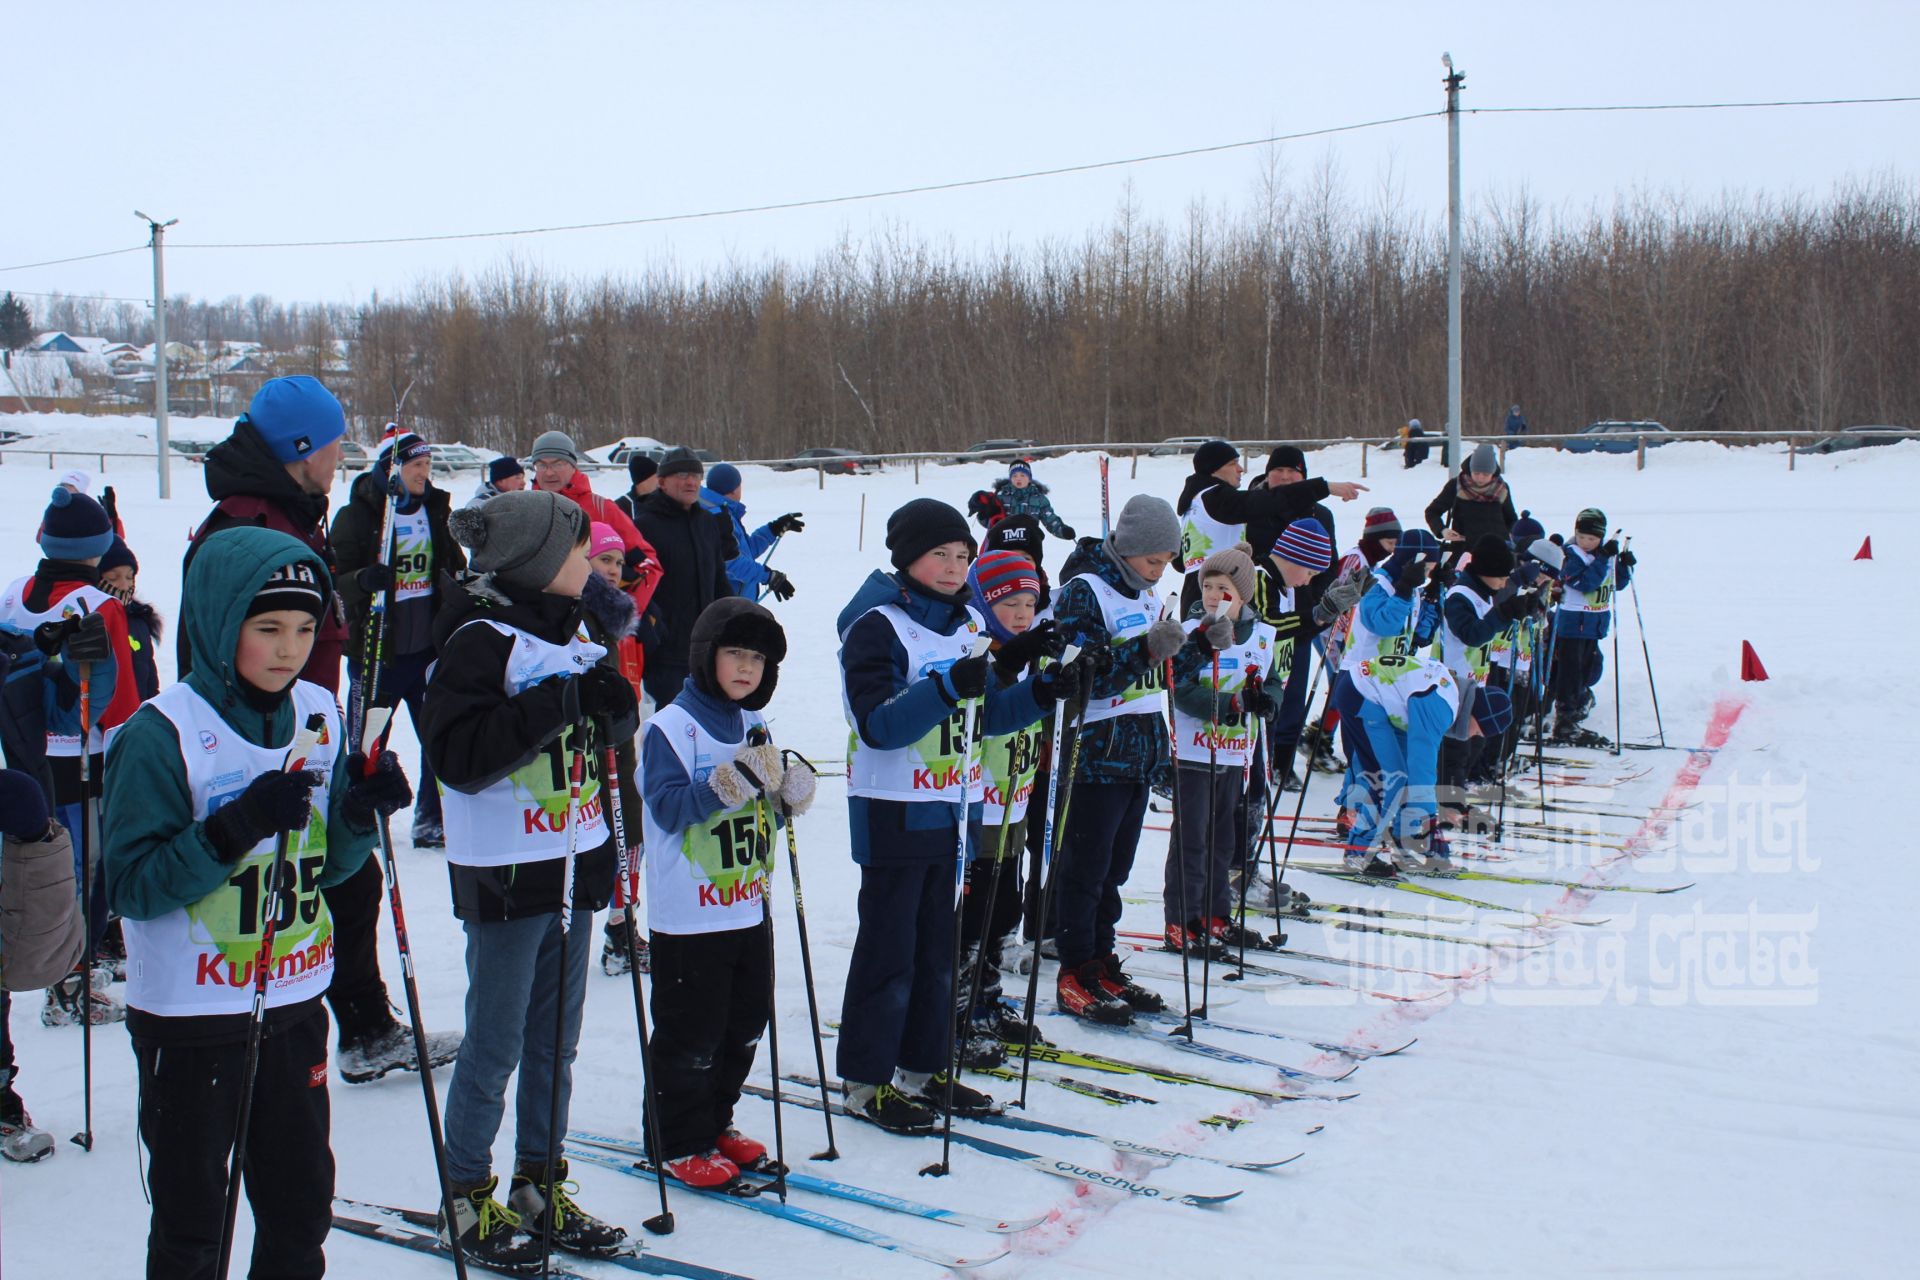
(514, 990)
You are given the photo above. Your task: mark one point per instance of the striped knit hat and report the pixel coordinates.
(998, 574)
(1305, 542)
(1382, 523)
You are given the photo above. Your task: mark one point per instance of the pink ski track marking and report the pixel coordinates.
(1072, 1216)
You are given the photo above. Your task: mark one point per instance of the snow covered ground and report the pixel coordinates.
(1717, 1081)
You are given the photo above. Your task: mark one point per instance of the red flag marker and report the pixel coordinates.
(1866, 549)
(1750, 668)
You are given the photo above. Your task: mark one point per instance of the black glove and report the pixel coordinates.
(1608, 549)
(273, 803)
(1437, 583)
(1068, 680)
(778, 584)
(1066, 531)
(90, 641)
(1259, 702)
(605, 694)
(633, 561)
(384, 792)
(968, 677)
(1230, 713)
(1412, 574)
(1518, 605)
(1017, 654)
(374, 578)
(792, 522)
(1628, 559)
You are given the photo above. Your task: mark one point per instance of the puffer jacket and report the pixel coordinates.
(1124, 749)
(1031, 501)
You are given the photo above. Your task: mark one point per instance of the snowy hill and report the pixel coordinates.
(1717, 1080)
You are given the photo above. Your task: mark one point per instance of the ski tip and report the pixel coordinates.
(1208, 1202)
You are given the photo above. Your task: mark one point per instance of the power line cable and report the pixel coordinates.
(1686, 106)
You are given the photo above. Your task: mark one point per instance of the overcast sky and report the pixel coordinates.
(346, 120)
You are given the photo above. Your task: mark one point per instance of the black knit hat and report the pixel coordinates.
(1592, 520)
(1492, 557)
(680, 462)
(500, 468)
(294, 585)
(1287, 455)
(922, 525)
(119, 556)
(1212, 456)
(1017, 533)
(640, 466)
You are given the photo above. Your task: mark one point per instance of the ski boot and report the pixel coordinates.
(1116, 983)
(1291, 782)
(112, 951)
(980, 1048)
(574, 1229)
(705, 1170)
(1189, 938)
(1368, 864)
(745, 1153)
(1343, 822)
(20, 1141)
(1229, 936)
(428, 833)
(491, 1235)
(1083, 993)
(1317, 742)
(890, 1109)
(1009, 1027)
(65, 1000)
(389, 1047)
(1423, 850)
(941, 1093)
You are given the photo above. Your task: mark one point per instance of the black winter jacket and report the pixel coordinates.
(356, 544)
(694, 549)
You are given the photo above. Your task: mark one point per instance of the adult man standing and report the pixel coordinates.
(504, 475)
(423, 550)
(694, 547)
(274, 471)
(643, 477)
(556, 469)
(1215, 511)
(745, 574)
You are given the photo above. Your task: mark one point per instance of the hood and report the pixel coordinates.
(716, 503)
(734, 620)
(879, 588)
(1004, 486)
(226, 573)
(552, 618)
(941, 613)
(241, 466)
(611, 607)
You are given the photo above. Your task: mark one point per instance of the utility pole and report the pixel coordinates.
(1455, 81)
(159, 230)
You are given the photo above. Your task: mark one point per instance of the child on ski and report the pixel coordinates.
(1379, 534)
(41, 935)
(518, 710)
(1107, 606)
(1474, 614)
(1006, 591)
(714, 789)
(1514, 668)
(918, 700)
(1593, 571)
(201, 808)
(1219, 700)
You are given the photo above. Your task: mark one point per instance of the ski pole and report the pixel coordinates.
(993, 880)
(806, 966)
(1056, 816)
(760, 589)
(763, 854)
(1268, 746)
(627, 896)
(1640, 624)
(1213, 828)
(966, 712)
(1306, 780)
(1613, 625)
(576, 774)
(303, 744)
(1179, 861)
(372, 743)
(89, 839)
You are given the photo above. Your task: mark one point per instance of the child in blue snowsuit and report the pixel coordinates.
(1592, 572)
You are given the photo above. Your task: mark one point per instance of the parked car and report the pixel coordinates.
(354, 456)
(1003, 448)
(1617, 437)
(1178, 444)
(449, 458)
(835, 462)
(617, 453)
(1857, 438)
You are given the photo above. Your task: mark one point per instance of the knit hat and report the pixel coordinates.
(998, 574)
(601, 539)
(1147, 526)
(1236, 564)
(23, 806)
(1212, 456)
(1526, 530)
(1485, 459)
(500, 468)
(1593, 520)
(119, 556)
(724, 478)
(1381, 523)
(1017, 533)
(1021, 467)
(78, 479)
(1493, 708)
(554, 444)
(1491, 557)
(521, 538)
(294, 585)
(640, 466)
(75, 527)
(922, 525)
(1287, 455)
(296, 416)
(407, 448)
(681, 462)
(1305, 542)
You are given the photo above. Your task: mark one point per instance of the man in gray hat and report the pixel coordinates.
(693, 546)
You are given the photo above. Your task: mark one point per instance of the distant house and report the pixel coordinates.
(11, 401)
(56, 343)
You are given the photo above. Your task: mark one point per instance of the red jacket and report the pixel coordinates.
(580, 490)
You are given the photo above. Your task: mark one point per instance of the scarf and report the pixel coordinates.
(1495, 490)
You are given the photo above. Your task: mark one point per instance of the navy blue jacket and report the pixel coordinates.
(890, 713)
(1124, 749)
(1461, 619)
(1571, 624)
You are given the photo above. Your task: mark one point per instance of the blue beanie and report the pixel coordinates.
(296, 416)
(1526, 530)
(723, 478)
(75, 527)
(1493, 708)
(1413, 544)
(1020, 468)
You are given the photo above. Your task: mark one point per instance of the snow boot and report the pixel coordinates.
(706, 1170)
(1369, 864)
(1228, 936)
(613, 954)
(574, 1229)
(491, 1235)
(1082, 993)
(939, 1093)
(1115, 982)
(744, 1152)
(65, 1000)
(389, 1047)
(428, 833)
(890, 1109)
(20, 1141)
(112, 951)
(980, 1048)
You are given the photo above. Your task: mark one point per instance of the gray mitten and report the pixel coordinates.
(796, 790)
(1219, 632)
(1164, 639)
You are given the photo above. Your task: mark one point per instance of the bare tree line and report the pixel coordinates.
(1304, 314)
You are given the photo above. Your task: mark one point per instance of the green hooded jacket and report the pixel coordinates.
(155, 855)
